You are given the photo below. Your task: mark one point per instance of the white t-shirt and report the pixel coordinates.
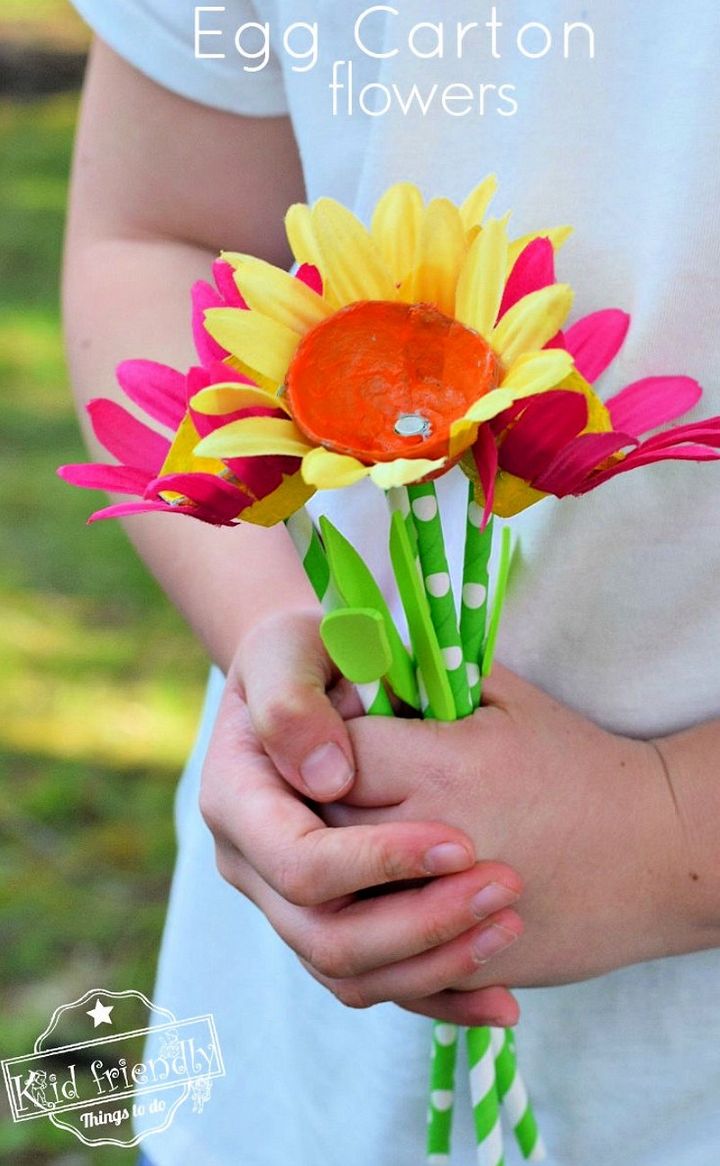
(614, 606)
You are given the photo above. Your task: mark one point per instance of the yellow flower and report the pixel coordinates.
(388, 373)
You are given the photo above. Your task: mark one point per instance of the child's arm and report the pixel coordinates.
(159, 184)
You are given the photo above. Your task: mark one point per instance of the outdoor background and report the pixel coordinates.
(100, 683)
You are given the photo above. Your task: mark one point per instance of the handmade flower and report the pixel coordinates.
(388, 370)
(168, 476)
(568, 441)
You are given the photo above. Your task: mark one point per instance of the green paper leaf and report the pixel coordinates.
(358, 589)
(422, 632)
(501, 586)
(357, 642)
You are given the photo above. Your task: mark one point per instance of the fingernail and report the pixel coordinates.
(491, 899)
(491, 941)
(326, 770)
(447, 858)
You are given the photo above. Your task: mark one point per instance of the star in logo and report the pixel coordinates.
(101, 1013)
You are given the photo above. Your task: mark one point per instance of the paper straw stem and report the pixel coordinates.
(438, 588)
(513, 1097)
(310, 549)
(484, 1097)
(473, 611)
(311, 553)
(442, 1092)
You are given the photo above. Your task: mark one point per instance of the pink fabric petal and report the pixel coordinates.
(568, 471)
(263, 475)
(218, 500)
(706, 432)
(311, 277)
(534, 269)
(204, 296)
(653, 401)
(198, 379)
(126, 438)
(126, 509)
(643, 457)
(156, 388)
(224, 277)
(595, 341)
(117, 479)
(485, 453)
(545, 427)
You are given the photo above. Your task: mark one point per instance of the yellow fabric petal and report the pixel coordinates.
(598, 416)
(482, 280)
(536, 372)
(474, 209)
(487, 407)
(182, 458)
(403, 471)
(350, 258)
(326, 470)
(279, 296)
(218, 400)
(513, 495)
(276, 507)
(301, 236)
(255, 437)
(532, 322)
(462, 435)
(440, 257)
(261, 344)
(396, 228)
(558, 236)
(463, 432)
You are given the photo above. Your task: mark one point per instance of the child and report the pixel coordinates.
(617, 618)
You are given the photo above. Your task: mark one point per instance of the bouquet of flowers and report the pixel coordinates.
(430, 341)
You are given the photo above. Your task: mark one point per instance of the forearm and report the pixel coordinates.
(159, 185)
(689, 764)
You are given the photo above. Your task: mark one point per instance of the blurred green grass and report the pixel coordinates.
(49, 21)
(100, 683)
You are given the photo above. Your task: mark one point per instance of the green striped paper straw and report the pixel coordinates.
(311, 552)
(473, 611)
(438, 588)
(442, 1092)
(513, 1096)
(484, 1097)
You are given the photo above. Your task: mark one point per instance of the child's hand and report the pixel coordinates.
(586, 817)
(305, 877)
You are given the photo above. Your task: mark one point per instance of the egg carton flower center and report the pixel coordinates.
(381, 380)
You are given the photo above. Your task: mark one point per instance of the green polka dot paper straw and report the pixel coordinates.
(438, 588)
(484, 1097)
(513, 1097)
(473, 611)
(442, 1093)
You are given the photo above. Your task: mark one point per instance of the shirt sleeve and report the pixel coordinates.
(160, 38)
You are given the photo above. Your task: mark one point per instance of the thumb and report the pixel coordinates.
(284, 672)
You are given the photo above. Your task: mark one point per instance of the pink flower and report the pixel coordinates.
(166, 476)
(568, 441)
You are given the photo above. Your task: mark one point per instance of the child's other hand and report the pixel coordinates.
(585, 816)
(305, 876)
